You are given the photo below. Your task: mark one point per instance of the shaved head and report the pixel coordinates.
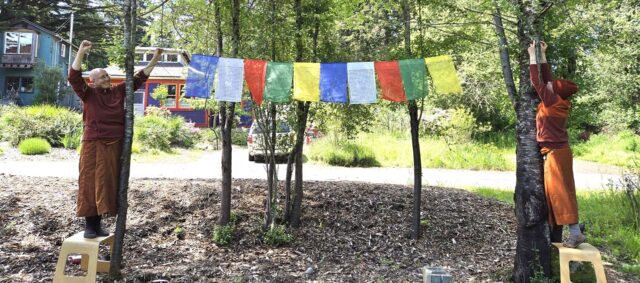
(100, 78)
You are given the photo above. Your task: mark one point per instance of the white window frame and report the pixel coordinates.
(4, 44)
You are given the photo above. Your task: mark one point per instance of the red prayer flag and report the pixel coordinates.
(390, 80)
(254, 74)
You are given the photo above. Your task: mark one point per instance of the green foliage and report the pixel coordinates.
(222, 234)
(390, 150)
(50, 84)
(34, 146)
(622, 149)
(72, 140)
(152, 132)
(277, 235)
(345, 153)
(157, 111)
(179, 232)
(44, 121)
(239, 137)
(160, 93)
(160, 131)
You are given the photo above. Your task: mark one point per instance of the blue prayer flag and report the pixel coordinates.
(202, 70)
(333, 82)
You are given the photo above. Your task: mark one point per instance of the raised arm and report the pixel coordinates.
(78, 84)
(141, 76)
(543, 87)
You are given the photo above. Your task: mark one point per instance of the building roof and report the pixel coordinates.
(39, 28)
(162, 71)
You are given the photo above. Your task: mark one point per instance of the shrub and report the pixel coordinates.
(346, 154)
(51, 123)
(222, 234)
(239, 137)
(34, 146)
(152, 133)
(277, 235)
(71, 141)
(161, 131)
(157, 111)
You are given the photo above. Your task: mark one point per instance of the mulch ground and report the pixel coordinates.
(352, 232)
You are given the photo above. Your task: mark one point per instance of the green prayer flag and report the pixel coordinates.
(278, 82)
(414, 78)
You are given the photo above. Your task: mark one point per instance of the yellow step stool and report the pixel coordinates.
(584, 252)
(88, 248)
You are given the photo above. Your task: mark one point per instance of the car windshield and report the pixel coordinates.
(283, 127)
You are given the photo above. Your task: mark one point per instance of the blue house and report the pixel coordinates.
(23, 44)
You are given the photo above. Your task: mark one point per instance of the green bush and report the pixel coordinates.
(72, 141)
(34, 146)
(348, 154)
(277, 235)
(51, 123)
(162, 133)
(222, 234)
(153, 133)
(239, 137)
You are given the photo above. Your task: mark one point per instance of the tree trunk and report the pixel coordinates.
(125, 158)
(296, 212)
(505, 61)
(533, 246)
(228, 110)
(415, 134)
(296, 207)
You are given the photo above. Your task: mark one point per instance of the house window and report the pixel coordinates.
(63, 50)
(184, 103)
(21, 84)
(171, 97)
(171, 58)
(148, 57)
(13, 83)
(18, 42)
(140, 57)
(26, 84)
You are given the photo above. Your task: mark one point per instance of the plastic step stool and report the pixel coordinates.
(583, 252)
(88, 248)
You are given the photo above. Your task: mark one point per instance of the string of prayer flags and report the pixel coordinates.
(254, 75)
(414, 78)
(362, 82)
(230, 76)
(333, 82)
(278, 80)
(306, 81)
(390, 80)
(443, 74)
(200, 76)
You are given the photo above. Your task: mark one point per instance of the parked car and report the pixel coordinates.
(284, 141)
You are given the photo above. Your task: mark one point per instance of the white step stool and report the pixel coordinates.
(584, 252)
(88, 248)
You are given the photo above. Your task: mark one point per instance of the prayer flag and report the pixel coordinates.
(390, 80)
(306, 81)
(443, 74)
(278, 82)
(254, 75)
(200, 75)
(229, 84)
(333, 82)
(362, 82)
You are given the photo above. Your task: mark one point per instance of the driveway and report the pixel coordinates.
(588, 176)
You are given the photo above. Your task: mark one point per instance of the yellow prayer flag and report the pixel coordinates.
(443, 74)
(306, 81)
